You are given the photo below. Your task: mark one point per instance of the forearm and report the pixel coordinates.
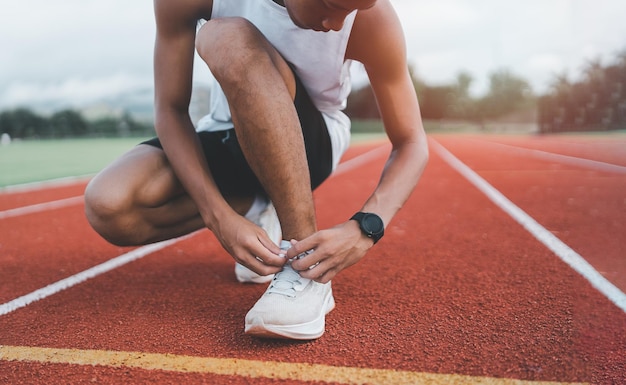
(402, 171)
(345, 244)
(184, 152)
(173, 69)
(241, 238)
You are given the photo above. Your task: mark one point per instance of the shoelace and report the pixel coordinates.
(287, 282)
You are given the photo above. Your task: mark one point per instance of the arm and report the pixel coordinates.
(173, 71)
(382, 51)
(384, 57)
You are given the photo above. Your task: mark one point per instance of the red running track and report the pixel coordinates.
(457, 289)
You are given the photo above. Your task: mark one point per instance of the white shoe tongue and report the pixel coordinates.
(288, 282)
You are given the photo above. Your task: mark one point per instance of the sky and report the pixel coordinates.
(77, 52)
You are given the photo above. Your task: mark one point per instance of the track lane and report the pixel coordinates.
(39, 249)
(603, 147)
(27, 270)
(10, 199)
(452, 288)
(581, 206)
(244, 370)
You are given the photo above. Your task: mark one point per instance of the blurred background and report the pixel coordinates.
(83, 68)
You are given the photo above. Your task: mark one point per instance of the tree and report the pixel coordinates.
(436, 102)
(362, 104)
(67, 123)
(462, 105)
(597, 102)
(507, 93)
(21, 123)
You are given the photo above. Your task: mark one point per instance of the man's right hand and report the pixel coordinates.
(249, 244)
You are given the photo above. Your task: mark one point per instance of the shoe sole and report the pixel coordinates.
(259, 279)
(244, 275)
(305, 331)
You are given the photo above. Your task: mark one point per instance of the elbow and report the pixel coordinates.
(422, 157)
(422, 148)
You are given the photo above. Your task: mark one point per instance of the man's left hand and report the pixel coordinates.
(333, 250)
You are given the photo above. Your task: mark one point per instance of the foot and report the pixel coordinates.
(292, 307)
(268, 221)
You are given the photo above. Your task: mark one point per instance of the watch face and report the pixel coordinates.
(372, 224)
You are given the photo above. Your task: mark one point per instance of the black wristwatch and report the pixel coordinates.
(371, 225)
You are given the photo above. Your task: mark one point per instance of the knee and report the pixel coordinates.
(109, 212)
(223, 37)
(230, 46)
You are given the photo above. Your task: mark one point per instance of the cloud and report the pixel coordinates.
(79, 49)
(71, 47)
(73, 91)
(482, 36)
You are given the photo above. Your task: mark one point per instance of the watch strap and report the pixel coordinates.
(375, 236)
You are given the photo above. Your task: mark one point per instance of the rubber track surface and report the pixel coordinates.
(455, 287)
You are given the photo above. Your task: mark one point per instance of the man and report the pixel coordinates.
(274, 133)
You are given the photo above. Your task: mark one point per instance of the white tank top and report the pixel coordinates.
(318, 58)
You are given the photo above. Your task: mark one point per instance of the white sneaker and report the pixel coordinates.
(268, 221)
(291, 307)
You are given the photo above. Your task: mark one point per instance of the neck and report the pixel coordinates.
(280, 2)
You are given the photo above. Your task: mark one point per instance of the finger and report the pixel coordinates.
(266, 251)
(266, 257)
(306, 260)
(311, 266)
(258, 265)
(309, 243)
(269, 244)
(321, 272)
(256, 256)
(326, 277)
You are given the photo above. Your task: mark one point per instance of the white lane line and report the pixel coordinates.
(564, 252)
(341, 168)
(46, 184)
(137, 253)
(85, 275)
(360, 160)
(571, 160)
(16, 212)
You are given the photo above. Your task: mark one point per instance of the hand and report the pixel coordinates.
(249, 244)
(333, 250)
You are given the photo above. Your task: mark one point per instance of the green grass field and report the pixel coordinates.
(33, 160)
(40, 160)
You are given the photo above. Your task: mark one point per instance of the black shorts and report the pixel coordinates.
(230, 170)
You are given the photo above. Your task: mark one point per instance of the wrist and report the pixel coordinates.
(370, 224)
(213, 215)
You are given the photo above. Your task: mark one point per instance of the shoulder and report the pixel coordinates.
(174, 14)
(377, 37)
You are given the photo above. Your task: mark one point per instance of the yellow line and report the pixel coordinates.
(247, 368)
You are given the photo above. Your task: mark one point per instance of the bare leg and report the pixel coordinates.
(138, 200)
(260, 88)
